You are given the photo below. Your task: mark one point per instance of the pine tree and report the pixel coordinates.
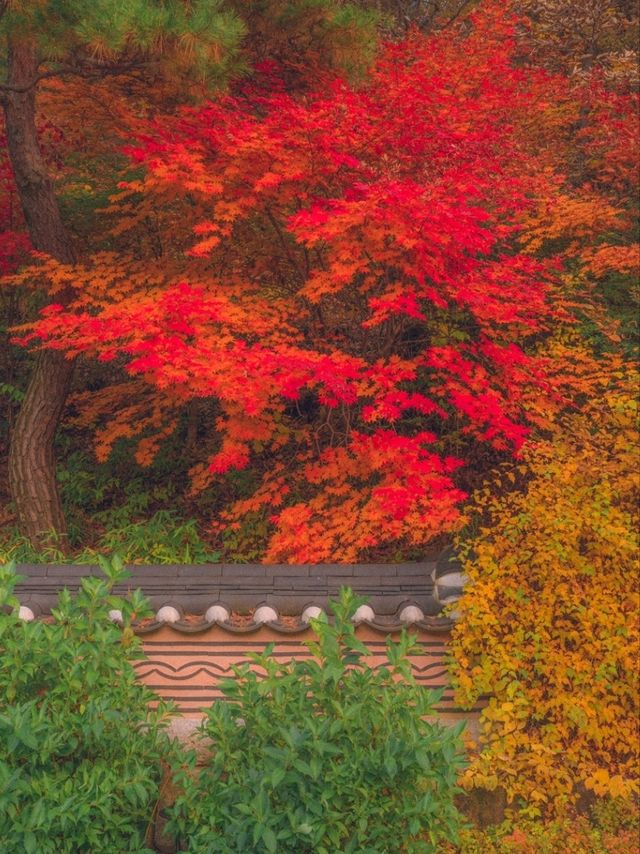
(92, 38)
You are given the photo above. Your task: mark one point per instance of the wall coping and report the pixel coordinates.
(243, 597)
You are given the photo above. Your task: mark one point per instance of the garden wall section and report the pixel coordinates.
(206, 618)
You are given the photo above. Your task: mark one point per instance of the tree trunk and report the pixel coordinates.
(32, 467)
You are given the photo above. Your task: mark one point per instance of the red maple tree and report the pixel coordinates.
(363, 297)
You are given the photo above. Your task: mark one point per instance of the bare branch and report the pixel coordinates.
(456, 15)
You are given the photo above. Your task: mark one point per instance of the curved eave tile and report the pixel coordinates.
(188, 628)
(383, 626)
(441, 624)
(436, 624)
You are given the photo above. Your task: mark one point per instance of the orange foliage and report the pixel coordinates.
(548, 625)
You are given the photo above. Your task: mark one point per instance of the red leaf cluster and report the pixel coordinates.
(366, 248)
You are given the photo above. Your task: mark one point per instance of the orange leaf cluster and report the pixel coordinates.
(549, 619)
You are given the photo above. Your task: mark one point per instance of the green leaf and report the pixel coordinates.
(277, 776)
(269, 839)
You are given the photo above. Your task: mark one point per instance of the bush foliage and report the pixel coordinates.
(616, 832)
(80, 750)
(549, 626)
(323, 755)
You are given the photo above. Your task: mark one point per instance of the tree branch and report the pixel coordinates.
(20, 90)
(456, 15)
(87, 70)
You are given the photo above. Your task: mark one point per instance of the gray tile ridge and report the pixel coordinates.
(287, 588)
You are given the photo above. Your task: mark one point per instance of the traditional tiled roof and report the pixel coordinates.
(283, 596)
(207, 618)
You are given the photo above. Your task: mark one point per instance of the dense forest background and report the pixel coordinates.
(292, 281)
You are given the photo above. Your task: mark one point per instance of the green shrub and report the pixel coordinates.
(80, 752)
(616, 815)
(164, 538)
(324, 755)
(16, 548)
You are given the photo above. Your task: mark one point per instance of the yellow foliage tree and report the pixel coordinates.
(549, 629)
